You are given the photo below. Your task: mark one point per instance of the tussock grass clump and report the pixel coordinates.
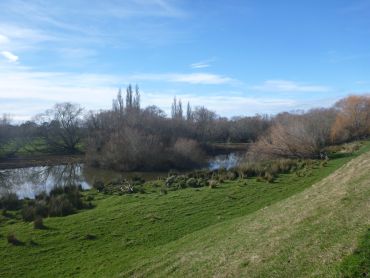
(163, 191)
(28, 212)
(61, 201)
(12, 239)
(98, 185)
(90, 237)
(38, 223)
(269, 170)
(60, 206)
(10, 201)
(213, 183)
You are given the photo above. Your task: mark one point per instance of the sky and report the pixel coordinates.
(236, 57)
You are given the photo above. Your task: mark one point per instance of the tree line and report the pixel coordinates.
(129, 137)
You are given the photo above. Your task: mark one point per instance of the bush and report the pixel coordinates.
(60, 206)
(11, 238)
(28, 212)
(98, 185)
(269, 177)
(90, 237)
(10, 201)
(163, 191)
(41, 208)
(38, 223)
(231, 175)
(213, 183)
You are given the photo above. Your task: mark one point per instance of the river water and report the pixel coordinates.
(28, 182)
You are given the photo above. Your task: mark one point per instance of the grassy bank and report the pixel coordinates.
(358, 263)
(198, 232)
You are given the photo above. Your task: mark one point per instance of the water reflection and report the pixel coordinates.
(28, 182)
(225, 161)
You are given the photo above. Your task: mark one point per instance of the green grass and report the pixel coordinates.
(358, 263)
(35, 147)
(133, 232)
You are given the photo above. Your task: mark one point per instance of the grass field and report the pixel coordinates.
(288, 228)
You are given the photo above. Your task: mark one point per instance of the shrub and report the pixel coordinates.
(137, 180)
(28, 212)
(11, 238)
(202, 182)
(38, 223)
(89, 198)
(4, 213)
(98, 185)
(163, 191)
(60, 206)
(41, 208)
(213, 183)
(187, 154)
(10, 201)
(90, 237)
(269, 177)
(231, 175)
(192, 182)
(170, 181)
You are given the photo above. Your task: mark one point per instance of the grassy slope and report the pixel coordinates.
(358, 263)
(190, 231)
(306, 235)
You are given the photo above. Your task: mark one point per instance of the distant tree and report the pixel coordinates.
(129, 97)
(136, 100)
(62, 127)
(353, 118)
(176, 110)
(295, 136)
(189, 113)
(118, 104)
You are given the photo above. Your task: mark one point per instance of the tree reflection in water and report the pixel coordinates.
(28, 182)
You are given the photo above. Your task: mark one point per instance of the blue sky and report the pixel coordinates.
(235, 57)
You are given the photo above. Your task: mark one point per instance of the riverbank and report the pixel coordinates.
(142, 233)
(40, 160)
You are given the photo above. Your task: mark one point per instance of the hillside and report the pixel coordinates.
(306, 235)
(296, 226)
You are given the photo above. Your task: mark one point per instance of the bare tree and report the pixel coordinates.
(295, 136)
(353, 118)
(62, 127)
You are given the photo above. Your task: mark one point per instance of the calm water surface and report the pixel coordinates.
(28, 182)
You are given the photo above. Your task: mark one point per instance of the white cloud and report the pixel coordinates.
(202, 64)
(288, 86)
(25, 92)
(199, 65)
(190, 78)
(9, 56)
(3, 39)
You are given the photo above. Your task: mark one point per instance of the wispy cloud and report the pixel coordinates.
(71, 19)
(190, 78)
(25, 92)
(3, 39)
(288, 86)
(202, 64)
(9, 56)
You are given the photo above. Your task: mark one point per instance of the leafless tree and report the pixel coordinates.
(62, 127)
